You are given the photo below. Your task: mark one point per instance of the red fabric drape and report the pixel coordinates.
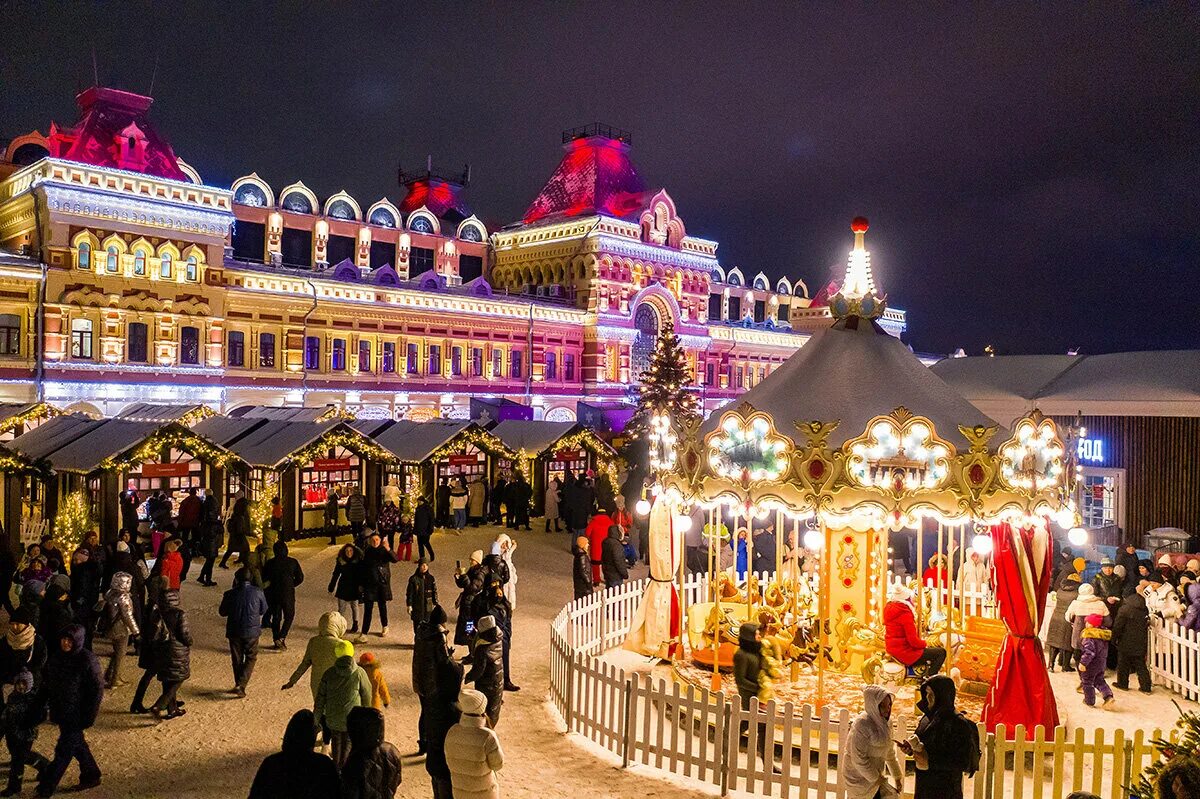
(1021, 691)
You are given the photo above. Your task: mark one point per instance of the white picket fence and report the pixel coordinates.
(695, 733)
(1174, 655)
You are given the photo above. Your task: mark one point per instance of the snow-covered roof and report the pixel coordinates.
(150, 412)
(852, 372)
(414, 442)
(1147, 383)
(530, 435)
(286, 414)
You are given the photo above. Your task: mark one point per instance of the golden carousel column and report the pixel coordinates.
(856, 573)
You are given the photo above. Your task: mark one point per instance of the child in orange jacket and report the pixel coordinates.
(380, 697)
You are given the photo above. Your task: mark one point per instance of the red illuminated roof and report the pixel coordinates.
(595, 176)
(442, 197)
(114, 130)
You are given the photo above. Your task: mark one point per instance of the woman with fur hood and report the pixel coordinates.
(868, 763)
(1086, 604)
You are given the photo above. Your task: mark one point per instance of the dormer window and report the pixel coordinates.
(112, 262)
(165, 269)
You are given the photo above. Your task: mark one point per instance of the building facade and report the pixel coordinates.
(124, 278)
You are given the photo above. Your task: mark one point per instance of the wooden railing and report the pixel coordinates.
(692, 732)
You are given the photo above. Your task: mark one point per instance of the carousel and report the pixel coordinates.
(850, 441)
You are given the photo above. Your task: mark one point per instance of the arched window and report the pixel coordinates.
(165, 269)
(139, 262)
(383, 217)
(471, 233)
(297, 203)
(340, 209)
(193, 269)
(113, 260)
(81, 338)
(10, 334)
(646, 320)
(249, 194)
(420, 224)
(84, 255)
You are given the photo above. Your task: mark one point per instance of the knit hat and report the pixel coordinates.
(899, 593)
(485, 623)
(22, 615)
(477, 556)
(343, 648)
(1094, 620)
(1079, 564)
(366, 658)
(1086, 590)
(471, 702)
(1164, 560)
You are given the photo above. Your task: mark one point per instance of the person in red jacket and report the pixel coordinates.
(597, 531)
(900, 633)
(172, 562)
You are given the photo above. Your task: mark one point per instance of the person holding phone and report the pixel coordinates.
(868, 762)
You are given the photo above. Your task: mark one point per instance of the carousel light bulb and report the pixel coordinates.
(683, 523)
(642, 507)
(1077, 536)
(982, 544)
(813, 540)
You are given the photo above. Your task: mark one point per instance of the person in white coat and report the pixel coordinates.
(868, 762)
(505, 547)
(473, 753)
(974, 574)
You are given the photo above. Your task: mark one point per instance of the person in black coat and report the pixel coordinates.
(442, 503)
(243, 607)
(423, 527)
(74, 688)
(129, 506)
(496, 500)
(172, 654)
(487, 667)
(1128, 557)
(296, 772)
(1130, 634)
(56, 613)
(373, 770)
(581, 569)
(500, 610)
(86, 577)
(440, 712)
(945, 745)
(282, 575)
(240, 527)
(346, 584)
(519, 496)
(148, 622)
(8, 569)
(612, 558)
(574, 509)
(22, 649)
(209, 537)
(19, 720)
(421, 596)
(376, 583)
(429, 651)
(472, 583)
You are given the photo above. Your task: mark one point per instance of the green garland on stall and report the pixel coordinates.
(350, 439)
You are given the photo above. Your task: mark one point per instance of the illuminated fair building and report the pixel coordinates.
(159, 288)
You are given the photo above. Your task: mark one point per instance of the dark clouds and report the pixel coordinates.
(1030, 171)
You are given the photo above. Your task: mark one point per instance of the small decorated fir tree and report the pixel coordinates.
(1171, 753)
(663, 386)
(73, 522)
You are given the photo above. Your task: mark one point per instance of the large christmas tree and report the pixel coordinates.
(663, 386)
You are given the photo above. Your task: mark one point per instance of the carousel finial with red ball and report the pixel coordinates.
(859, 225)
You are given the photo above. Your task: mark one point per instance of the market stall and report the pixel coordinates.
(548, 450)
(301, 463)
(426, 453)
(103, 459)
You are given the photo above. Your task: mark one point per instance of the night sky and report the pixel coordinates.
(1031, 172)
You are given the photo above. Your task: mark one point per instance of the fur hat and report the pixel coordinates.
(485, 623)
(471, 702)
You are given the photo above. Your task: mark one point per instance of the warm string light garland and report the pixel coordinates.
(72, 523)
(37, 411)
(478, 437)
(173, 438)
(350, 439)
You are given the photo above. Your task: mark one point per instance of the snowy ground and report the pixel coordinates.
(214, 750)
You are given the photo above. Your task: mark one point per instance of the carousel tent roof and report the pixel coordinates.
(414, 442)
(1152, 383)
(86, 453)
(852, 372)
(53, 434)
(270, 444)
(531, 436)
